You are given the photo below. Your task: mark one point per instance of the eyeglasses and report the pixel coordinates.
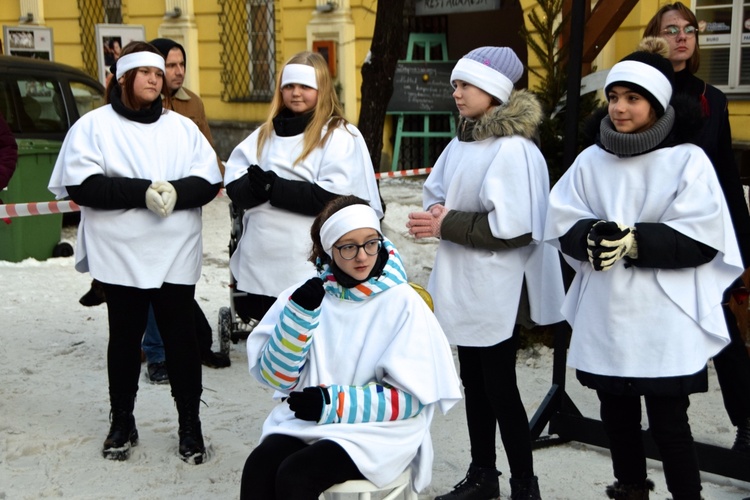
(348, 252)
(672, 31)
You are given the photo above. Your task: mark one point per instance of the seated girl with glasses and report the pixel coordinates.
(359, 363)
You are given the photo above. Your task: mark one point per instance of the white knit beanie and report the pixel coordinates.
(492, 69)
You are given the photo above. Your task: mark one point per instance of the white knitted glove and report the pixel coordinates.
(154, 202)
(168, 195)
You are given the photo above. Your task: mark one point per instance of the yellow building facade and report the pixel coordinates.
(229, 43)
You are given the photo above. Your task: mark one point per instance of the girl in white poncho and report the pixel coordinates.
(359, 361)
(486, 200)
(282, 175)
(642, 219)
(141, 174)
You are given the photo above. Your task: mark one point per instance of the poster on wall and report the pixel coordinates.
(28, 41)
(110, 39)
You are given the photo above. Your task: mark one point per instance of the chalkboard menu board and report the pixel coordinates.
(422, 87)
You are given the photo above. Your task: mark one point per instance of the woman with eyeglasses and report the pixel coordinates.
(358, 361)
(679, 26)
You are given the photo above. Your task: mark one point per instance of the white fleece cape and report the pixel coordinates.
(135, 247)
(395, 339)
(272, 253)
(476, 292)
(646, 322)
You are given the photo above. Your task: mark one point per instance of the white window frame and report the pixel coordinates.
(735, 44)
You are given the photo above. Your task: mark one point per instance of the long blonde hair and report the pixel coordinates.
(327, 111)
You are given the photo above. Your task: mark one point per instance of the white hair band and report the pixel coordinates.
(347, 219)
(299, 73)
(644, 75)
(138, 60)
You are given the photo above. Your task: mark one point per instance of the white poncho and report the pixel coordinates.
(135, 247)
(646, 322)
(272, 253)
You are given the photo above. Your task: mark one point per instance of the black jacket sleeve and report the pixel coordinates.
(302, 197)
(472, 229)
(573, 243)
(241, 195)
(110, 193)
(194, 192)
(662, 247)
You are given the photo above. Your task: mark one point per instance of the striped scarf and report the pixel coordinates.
(393, 274)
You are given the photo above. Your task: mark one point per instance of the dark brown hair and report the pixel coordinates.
(128, 96)
(653, 28)
(331, 208)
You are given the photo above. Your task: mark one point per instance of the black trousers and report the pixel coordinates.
(733, 371)
(488, 375)
(127, 309)
(285, 468)
(670, 429)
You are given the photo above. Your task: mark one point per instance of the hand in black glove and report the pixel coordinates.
(608, 242)
(310, 294)
(604, 233)
(308, 404)
(261, 182)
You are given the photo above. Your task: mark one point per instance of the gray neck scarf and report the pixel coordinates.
(638, 143)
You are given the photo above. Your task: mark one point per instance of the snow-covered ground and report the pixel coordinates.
(54, 407)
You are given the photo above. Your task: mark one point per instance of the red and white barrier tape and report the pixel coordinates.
(37, 208)
(404, 173)
(59, 207)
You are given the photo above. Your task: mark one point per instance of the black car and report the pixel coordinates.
(42, 99)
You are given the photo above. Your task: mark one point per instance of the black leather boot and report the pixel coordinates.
(192, 448)
(122, 431)
(524, 488)
(480, 483)
(742, 441)
(630, 491)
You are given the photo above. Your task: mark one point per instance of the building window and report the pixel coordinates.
(724, 36)
(248, 54)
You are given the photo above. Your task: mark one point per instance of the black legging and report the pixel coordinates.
(127, 309)
(488, 375)
(670, 429)
(285, 468)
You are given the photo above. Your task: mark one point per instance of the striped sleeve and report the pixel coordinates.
(370, 403)
(284, 356)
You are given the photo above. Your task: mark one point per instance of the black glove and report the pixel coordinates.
(261, 182)
(308, 404)
(608, 242)
(310, 294)
(603, 233)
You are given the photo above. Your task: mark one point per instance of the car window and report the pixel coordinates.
(86, 97)
(32, 105)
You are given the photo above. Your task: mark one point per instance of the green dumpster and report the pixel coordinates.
(34, 236)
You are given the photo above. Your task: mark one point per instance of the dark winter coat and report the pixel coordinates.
(715, 138)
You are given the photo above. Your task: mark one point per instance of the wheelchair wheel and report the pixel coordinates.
(225, 329)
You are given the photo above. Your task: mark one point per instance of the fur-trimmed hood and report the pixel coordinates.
(521, 115)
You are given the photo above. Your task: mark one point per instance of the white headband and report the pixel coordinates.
(138, 60)
(491, 81)
(345, 220)
(299, 73)
(644, 75)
